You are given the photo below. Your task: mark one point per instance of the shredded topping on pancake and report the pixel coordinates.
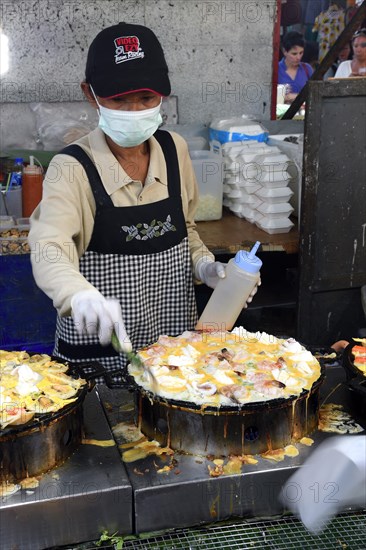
(226, 368)
(32, 385)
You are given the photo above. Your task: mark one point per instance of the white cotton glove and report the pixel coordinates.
(253, 293)
(94, 314)
(209, 272)
(331, 479)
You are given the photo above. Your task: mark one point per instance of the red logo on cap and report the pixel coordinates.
(127, 48)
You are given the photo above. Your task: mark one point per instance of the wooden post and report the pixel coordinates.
(275, 59)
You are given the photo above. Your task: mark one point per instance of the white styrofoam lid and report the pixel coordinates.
(238, 124)
(250, 129)
(283, 208)
(236, 208)
(251, 201)
(235, 152)
(274, 223)
(274, 171)
(242, 186)
(273, 199)
(234, 194)
(249, 213)
(245, 199)
(276, 192)
(249, 187)
(275, 158)
(274, 179)
(233, 148)
(257, 216)
(251, 155)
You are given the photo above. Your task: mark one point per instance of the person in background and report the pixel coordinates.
(328, 25)
(311, 9)
(292, 71)
(118, 212)
(356, 66)
(344, 55)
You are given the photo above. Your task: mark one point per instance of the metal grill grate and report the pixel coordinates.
(347, 532)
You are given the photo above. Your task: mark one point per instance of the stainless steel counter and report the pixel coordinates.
(75, 502)
(94, 491)
(187, 495)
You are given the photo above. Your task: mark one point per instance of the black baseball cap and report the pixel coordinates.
(126, 58)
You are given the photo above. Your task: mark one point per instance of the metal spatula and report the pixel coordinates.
(134, 359)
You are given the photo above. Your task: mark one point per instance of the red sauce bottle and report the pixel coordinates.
(32, 182)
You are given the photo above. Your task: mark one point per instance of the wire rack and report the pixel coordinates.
(345, 532)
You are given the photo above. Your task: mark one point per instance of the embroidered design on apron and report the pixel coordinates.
(148, 231)
(139, 255)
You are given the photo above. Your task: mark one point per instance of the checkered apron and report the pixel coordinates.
(139, 255)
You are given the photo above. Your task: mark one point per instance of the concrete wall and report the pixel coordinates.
(219, 52)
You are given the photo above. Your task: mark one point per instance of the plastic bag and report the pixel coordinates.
(237, 129)
(59, 124)
(17, 128)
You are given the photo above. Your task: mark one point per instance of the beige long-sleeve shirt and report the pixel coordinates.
(62, 225)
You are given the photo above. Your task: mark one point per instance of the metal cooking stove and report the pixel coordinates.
(95, 491)
(76, 501)
(187, 495)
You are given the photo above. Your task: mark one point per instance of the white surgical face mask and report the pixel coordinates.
(129, 128)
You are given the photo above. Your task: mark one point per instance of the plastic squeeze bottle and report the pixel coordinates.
(17, 172)
(232, 292)
(12, 194)
(32, 187)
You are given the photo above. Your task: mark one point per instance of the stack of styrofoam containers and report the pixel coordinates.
(294, 150)
(256, 182)
(239, 188)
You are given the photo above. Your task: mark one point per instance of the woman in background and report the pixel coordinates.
(344, 55)
(292, 71)
(356, 66)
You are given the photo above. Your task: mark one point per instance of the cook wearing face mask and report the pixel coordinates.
(118, 247)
